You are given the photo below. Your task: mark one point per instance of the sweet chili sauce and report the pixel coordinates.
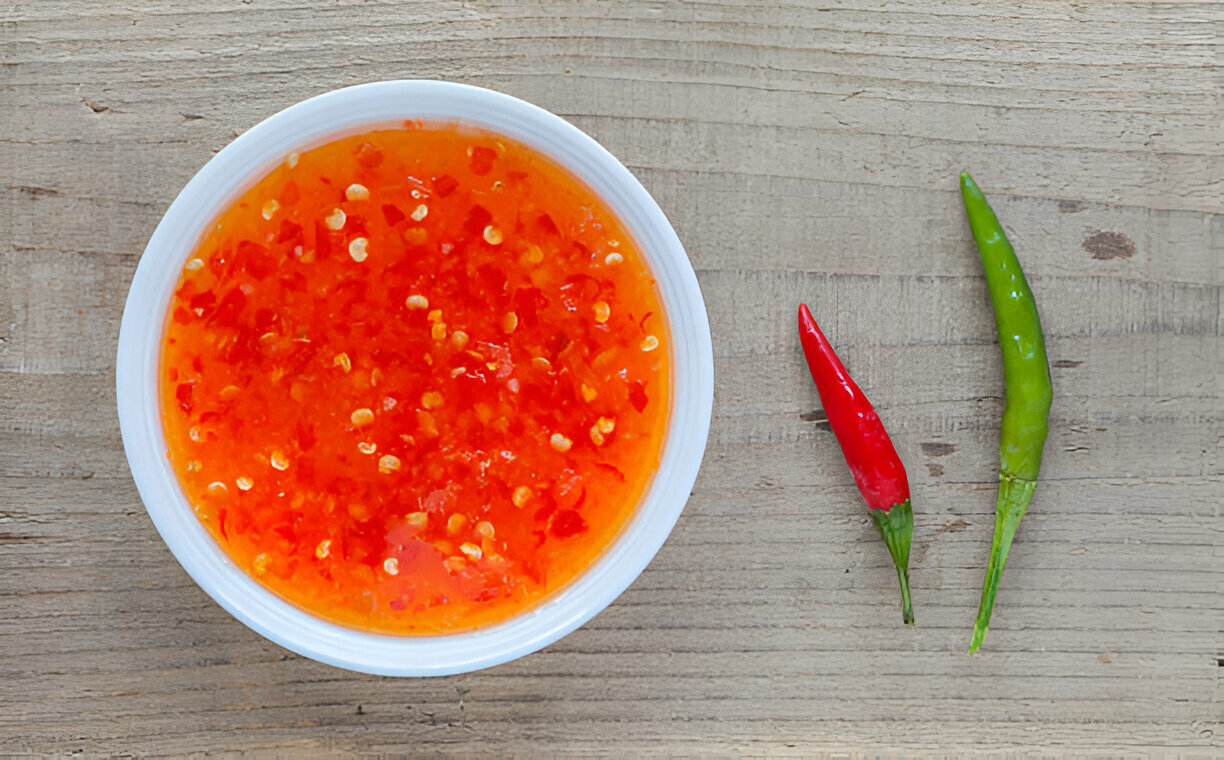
(415, 380)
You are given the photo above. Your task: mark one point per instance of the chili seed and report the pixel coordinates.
(438, 331)
(614, 258)
(269, 209)
(417, 302)
(355, 192)
(560, 443)
(455, 524)
(244, 483)
(521, 496)
(417, 519)
(492, 235)
(488, 547)
(335, 220)
(361, 417)
(459, 338)
(484, 529)
(342, 361)
(471, 550)
(367, 447)
(357, 249)
(388, 464)
(650, 343)
(391, 566)
(279, 460)
(420, 212)
(431, 399)
(510, 323)
(602, 311)
(429, 426)
(323, 549)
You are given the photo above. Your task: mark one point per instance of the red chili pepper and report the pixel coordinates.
(868, 450)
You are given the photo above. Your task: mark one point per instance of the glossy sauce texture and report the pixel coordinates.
(415, 380)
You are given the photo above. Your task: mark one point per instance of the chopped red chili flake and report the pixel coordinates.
(403, 382)
(482, 160)
(445, 185)
(289, 232)
(392, 214)
(637, 395)
(369, 155)
(182, 394)
(568, 523)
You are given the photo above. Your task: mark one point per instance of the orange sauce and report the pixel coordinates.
(415, 380)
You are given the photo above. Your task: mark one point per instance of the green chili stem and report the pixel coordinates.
(1014, 496)
(896, 527)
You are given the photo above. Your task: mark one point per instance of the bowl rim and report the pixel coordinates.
(240, 164)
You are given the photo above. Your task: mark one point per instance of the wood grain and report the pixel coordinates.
(804, 150)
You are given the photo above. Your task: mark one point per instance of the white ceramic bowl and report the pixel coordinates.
(237, 167)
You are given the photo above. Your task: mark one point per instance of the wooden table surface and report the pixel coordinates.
(804, 151)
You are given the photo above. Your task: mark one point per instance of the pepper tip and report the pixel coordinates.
(969, 187)
(806, 320)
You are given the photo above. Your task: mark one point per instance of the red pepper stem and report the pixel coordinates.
(896, 526)
(1014, 496)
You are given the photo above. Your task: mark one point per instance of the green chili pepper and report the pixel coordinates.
(1026, 372)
